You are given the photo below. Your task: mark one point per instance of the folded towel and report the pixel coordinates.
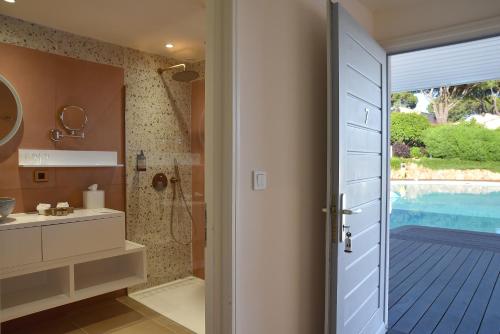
(41, 207)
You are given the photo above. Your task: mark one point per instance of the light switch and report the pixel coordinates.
(259, 180)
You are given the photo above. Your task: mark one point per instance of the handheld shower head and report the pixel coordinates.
(177, 175)
(176, 169)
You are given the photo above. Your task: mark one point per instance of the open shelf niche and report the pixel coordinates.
(38, 287)
(35, 290)
(108, 274)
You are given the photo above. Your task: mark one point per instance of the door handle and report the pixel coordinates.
(342, 212)
(351, 212)
(345, 211)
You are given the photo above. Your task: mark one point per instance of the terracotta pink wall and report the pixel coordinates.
(198, 175)
(46, 83)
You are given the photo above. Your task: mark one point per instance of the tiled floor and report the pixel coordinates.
(182, 301)
(120, 316)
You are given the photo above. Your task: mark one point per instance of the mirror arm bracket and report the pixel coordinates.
(57, 135)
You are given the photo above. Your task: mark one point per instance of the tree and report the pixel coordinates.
(463, 109)
(408, 128)
(494, 87)
(487, 94)
(403, 99)
(445, 98)
(483, 97)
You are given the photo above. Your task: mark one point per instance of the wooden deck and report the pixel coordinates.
(444, 281)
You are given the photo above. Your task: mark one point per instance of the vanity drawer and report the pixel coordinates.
(64, 240)
(20, 246)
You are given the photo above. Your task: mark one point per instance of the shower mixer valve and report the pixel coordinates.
(160, 181)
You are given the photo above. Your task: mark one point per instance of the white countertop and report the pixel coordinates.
(23, 220)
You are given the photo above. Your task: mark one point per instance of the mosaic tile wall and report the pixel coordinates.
(157, 120)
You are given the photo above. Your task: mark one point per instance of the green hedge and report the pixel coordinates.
(408, 128)
(396, 163)
(416, 152)
(466, 141)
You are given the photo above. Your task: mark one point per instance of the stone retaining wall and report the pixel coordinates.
(415, 172)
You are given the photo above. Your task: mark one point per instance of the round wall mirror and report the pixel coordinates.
(74, 119)
(11, 113)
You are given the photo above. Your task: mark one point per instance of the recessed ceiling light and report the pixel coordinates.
(169, 45)
(10, 1)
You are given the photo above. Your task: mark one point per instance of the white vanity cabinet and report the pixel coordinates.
(65, 240)
(20, 246)
(50, 261)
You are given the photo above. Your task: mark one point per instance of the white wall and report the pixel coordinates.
(281, 64)
(362, 14)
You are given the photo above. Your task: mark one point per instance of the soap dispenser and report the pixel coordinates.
(141, 162)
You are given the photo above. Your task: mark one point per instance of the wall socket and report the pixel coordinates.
(41, 176)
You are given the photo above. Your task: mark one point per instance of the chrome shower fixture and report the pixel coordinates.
(182, 76)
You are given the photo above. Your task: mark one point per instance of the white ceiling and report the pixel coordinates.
(146, 25)
(447, 65)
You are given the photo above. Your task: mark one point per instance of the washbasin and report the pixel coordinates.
(7, 205)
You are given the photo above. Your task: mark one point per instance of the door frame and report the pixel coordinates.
(421, 41)
(220, 173)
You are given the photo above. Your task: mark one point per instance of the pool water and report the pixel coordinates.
(462, 206)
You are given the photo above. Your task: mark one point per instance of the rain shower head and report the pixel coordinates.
(182, 76)
(185, 76)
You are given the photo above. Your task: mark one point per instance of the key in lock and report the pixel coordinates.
(348, 242)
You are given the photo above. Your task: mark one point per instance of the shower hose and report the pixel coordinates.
(177, 179)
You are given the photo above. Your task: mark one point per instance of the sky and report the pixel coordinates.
(422, 102)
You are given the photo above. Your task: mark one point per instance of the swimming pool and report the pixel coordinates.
(470, 206)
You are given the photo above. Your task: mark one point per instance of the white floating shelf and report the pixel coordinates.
(37, 287)
(65, 158)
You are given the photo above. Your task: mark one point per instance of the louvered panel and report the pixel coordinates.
(448, 65)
